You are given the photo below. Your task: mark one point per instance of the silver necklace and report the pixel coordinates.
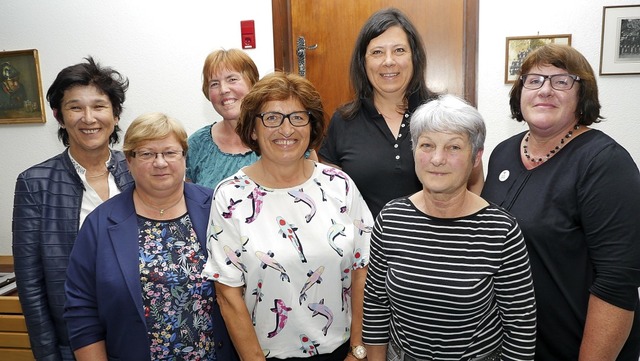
(97, 175)
(159, 210)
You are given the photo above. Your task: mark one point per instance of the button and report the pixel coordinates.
(403, 124)
(397, 157)
(399, 135)
(395, 146)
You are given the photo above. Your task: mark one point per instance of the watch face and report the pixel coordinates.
(359, 352)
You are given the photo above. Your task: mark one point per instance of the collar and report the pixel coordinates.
(80, 169)
(370, 109)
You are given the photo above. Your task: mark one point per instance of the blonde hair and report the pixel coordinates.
(153, 126)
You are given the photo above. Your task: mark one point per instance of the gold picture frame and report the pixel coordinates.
(518, 47)
(620, 46)
(21, 99)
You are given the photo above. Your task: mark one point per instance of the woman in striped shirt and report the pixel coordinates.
(449, 275)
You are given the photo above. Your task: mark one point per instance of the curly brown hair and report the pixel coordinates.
(281, 86)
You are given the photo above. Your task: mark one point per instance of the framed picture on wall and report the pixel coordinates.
(620, 47)
(518, 47)
(21, 98)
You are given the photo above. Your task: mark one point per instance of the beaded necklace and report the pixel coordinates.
(553, 151)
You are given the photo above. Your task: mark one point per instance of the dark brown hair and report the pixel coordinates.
(106, 79)
(377, 24)
(567, 58)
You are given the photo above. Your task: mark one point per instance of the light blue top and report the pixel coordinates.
(207, 165)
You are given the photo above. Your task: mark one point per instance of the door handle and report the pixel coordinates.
(301, 51)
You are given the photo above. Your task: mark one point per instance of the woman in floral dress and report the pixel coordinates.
(134, 288)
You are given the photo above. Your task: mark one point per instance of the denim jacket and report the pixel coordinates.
(46, 216)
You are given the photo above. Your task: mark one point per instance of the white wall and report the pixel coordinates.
(581, 19)
(160, 45)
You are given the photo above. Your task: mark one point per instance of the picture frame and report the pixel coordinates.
(620, 46)
(21, 99)
(518, 47)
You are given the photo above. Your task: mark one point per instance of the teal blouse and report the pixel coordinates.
(207, 165)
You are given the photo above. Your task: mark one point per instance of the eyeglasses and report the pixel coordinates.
(557, 81)
(169, 155)
(275, 119)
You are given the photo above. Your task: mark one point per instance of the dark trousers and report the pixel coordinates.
(338, 355)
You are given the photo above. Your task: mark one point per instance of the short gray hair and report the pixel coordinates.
(449, 114)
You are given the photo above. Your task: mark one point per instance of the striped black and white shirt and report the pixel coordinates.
(449, 289)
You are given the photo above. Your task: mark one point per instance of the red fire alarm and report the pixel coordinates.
(248, 32)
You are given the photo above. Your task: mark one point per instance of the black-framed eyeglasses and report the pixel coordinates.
(168, 155)
(275, 119)
(557, 81)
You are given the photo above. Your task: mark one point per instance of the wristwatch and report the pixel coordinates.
(359, 352)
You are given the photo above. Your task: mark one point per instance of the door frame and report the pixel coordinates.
(283, 57)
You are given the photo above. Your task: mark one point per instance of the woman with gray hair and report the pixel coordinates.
(449, 275)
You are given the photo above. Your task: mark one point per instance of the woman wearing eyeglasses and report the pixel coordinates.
(576, 195)
(134, 286)
(288, 238)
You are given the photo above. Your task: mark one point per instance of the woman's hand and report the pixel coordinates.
(238, 322)
(376, 352)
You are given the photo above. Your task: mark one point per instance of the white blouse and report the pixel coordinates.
(90, 198)
(294, 250)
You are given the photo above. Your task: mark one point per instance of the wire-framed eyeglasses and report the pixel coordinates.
(275, 119)
(557, 81)
(168, 155)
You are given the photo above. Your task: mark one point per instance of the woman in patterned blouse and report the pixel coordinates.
(288, 238)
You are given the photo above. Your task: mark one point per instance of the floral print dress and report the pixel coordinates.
(177, 301)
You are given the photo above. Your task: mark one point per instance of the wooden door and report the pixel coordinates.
(448, 29)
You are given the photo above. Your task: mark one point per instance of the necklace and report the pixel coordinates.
(553, 151)
(160, 210)
(97, 175)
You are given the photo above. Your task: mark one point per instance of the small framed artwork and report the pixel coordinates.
(21, 99)
(518, 47)
(620, 48)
